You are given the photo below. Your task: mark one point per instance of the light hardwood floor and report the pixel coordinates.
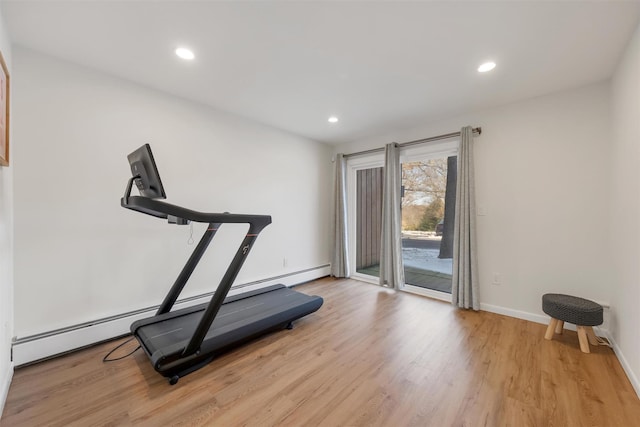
(369, 356)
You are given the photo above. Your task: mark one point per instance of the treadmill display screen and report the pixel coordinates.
(143, 168)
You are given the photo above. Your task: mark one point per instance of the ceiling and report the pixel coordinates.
(377, 66)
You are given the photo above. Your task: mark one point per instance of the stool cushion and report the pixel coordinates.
(578, 311)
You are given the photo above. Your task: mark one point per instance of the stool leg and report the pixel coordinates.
(560, 327)
(593, 339)
(551, 329)
(582, 337)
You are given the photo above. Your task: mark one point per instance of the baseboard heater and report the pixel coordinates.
(46, 345)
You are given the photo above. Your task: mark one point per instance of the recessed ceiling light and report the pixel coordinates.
(487, 66)
(185, 53)
(333, 119)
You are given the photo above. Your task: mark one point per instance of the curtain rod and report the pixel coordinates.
(477, 130)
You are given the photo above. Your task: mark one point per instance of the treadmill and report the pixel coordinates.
(182, 341)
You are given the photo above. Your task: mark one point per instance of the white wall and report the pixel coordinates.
(79, 256)
(6, 244)
(624, 214)
(542, 176)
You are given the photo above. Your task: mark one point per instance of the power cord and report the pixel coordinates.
(190, 241)
(106, 359)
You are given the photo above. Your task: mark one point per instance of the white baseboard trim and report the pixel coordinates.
(518, 314)
(46, 345)
(7, 376)
(524, 315)
(539, 318)
(633, 378)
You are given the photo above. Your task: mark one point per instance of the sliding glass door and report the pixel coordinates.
(428, 210)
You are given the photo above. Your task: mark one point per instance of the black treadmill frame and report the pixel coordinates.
(178, 215)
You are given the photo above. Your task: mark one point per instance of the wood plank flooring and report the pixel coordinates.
(369, 356)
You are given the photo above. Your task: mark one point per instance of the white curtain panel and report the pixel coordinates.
(340, 262)
(464, 292)
(391, 268)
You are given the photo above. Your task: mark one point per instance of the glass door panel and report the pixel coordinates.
(368, 220)
(428, 210)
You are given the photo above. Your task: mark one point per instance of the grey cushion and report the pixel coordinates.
(578, 311)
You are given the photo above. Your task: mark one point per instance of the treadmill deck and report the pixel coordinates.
(240, 318)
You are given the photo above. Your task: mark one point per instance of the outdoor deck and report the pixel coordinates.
(418, 277)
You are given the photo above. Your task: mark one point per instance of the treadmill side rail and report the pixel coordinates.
(221, 292)
(188, 268)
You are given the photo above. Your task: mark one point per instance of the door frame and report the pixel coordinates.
(355, 164)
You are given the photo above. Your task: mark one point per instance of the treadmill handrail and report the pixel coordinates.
(219, 295)
(187, 270)
(164, 210)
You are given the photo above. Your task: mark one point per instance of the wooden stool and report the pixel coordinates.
(581, 312)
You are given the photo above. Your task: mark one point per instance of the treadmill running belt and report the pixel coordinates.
(235, 321)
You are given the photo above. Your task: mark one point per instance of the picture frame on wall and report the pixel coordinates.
(4, 112)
